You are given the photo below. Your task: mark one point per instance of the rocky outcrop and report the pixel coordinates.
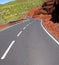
(49, 7)
(55, 13)
(46, 8)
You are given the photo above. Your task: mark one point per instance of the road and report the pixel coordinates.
(31, 45)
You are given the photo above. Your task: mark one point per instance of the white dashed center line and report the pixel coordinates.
(19, 33)
(24, 28)
(6, 52)
(27, 25)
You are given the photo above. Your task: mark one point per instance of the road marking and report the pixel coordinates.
(27, 25)
(24, 28)
(19, 33)
(49, 34)
(6, 52)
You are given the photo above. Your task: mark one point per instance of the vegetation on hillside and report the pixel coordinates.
(13, 10)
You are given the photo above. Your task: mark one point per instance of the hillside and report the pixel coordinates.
(14, 10)
(49, 14)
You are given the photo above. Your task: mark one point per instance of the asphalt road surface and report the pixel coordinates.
(31, 45)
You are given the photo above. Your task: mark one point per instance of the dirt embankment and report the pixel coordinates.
(3, 26)
(50, 25)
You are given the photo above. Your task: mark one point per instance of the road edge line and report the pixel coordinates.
(49, 33)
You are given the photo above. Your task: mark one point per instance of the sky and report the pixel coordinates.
(5, 1)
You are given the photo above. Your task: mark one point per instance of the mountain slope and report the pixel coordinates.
(13, 10)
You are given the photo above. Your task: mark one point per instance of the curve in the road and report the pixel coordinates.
(49, 33)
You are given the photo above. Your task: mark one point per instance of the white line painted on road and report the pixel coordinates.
(19, 33)
(27, 25)
(6, 52)
(49, 34)
(24, 28)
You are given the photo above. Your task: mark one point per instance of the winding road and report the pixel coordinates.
(28, 44)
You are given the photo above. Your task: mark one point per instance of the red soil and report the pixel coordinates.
(31, 12)
(10, 24)
(3, 26)
(52, 27)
